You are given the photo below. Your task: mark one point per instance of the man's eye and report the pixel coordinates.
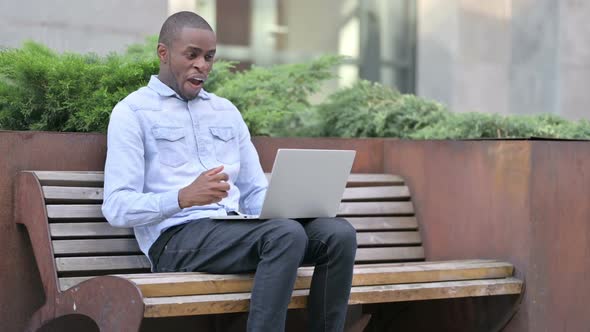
(209, 57)
(192, 55)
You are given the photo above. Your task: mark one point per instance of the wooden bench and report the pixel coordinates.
(90, 268)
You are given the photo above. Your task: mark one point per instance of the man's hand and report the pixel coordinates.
(210, 187)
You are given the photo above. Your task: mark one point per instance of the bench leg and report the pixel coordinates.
(356, 319)
(113, 303)
(41, 317)
(360, 324)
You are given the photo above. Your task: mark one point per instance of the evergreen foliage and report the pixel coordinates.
(44, 90)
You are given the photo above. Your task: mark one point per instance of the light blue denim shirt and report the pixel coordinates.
(159, 143)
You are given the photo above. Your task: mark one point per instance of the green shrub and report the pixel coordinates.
(270, 98)
(484, 125)
(369, 109)
(145, 50)
(44, 90)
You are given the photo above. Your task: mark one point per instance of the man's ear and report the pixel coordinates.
(162, 51)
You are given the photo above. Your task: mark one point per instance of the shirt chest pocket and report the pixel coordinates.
(171, 145)
(226, 144)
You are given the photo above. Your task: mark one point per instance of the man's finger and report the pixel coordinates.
(214, 171)
(220, 177)
(222, 186)
(219, 194)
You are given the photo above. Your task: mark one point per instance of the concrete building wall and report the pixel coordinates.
(574, 60)
(505, 56)
(99, 26)
(534, 76)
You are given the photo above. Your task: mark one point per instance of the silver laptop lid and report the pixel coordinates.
(307, 183)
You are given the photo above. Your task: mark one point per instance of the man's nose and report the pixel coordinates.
(200, 64)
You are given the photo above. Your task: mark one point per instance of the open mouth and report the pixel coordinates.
(196, 82)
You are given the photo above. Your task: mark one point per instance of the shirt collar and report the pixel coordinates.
(165, 91)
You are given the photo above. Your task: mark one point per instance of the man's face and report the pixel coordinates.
(185, 65)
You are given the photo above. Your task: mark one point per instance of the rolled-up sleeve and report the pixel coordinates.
(125, 204)
(251, 179)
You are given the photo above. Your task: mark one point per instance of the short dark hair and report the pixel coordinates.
(176, 22)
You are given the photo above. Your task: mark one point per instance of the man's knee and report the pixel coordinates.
(288, 231)
(343, 233)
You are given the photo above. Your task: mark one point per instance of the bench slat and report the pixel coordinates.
(383, 223)
(87, 230)
(136, 262)
(239, 302)
(56, 194)
(375, 208)
(103, 229)
(67, 282)
(70, 178)
(61, 194)
(391, 254)
(376, 193)
(388, 239)
(130, 246)
(203, 283)
(361, 180)
(102, 263)
(74, 211)
(88, 211)
(356, 266)
(94, 247)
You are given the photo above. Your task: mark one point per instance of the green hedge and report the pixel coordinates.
(372, 110)
(44, 90)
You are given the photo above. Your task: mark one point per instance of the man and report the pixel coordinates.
(178, 155)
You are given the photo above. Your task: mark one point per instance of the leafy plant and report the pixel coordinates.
(372, 110)
(484, 125)
(145, 50)
(44, 90)
(269, 97)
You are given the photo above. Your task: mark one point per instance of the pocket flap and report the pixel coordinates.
(223, 133)
(168, 133)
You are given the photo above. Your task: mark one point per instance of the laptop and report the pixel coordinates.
(304, 183)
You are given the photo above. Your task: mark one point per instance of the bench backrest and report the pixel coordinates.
(85, 245)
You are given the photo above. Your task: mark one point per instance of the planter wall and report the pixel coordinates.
(521, 201)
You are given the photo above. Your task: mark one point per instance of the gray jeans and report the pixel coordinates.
(274, 249)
